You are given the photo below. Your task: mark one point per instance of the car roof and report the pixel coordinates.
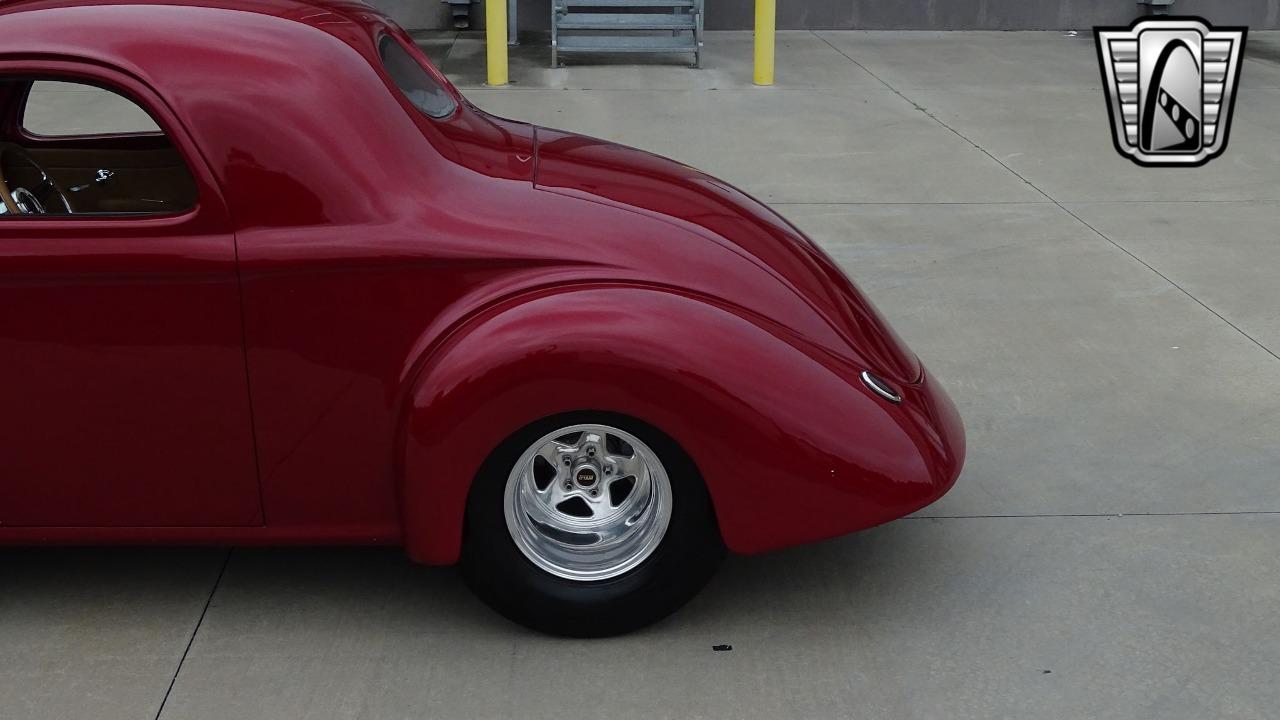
(285, 94)
(120, 30)
(290, 9)
(115, 23)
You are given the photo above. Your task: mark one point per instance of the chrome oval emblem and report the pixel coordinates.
(586, 476)
(880, 387)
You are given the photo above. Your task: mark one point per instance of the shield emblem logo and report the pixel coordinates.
(1171, 87)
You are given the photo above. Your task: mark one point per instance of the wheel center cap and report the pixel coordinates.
(585, 476)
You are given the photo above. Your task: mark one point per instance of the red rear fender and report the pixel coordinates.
(793, 448)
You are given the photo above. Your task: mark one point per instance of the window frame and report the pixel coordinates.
(208, 214)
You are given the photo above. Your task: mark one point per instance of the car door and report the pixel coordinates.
(124, 398)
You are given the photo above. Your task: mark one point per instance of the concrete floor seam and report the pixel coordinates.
(935, 118)
(452, 44)
(1169, 280)
(194, 631)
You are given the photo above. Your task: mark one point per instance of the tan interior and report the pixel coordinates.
(144, 181)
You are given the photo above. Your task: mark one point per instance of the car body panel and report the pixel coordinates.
(415, 290)
(119, 409)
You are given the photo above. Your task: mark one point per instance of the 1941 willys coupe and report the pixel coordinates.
(307, 293)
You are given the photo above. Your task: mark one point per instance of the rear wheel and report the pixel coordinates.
(589, 524)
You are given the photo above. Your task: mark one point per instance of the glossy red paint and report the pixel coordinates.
(368, 300)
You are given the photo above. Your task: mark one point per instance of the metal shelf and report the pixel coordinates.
(626, 26)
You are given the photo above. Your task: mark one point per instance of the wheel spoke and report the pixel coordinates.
(625, 466)
(554, 453)
(592, 444)
(599, 503)
(632, 485)
(555, 492)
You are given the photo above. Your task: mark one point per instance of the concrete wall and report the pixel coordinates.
(420, 14)
(981, 14)
(893, 14)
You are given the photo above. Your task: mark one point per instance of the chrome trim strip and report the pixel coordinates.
(880, 387)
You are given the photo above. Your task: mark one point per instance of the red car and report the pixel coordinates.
(266, 277)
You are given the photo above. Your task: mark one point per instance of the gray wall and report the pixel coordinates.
(420, 14)
(981, 14)
(892, 14)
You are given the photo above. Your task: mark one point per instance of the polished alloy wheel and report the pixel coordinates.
(588, 502)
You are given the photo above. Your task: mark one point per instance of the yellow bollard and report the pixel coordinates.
(766, 21)
(495, 23)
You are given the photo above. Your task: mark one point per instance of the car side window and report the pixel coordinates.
(84, 150)
(415, 82)
(64, 109)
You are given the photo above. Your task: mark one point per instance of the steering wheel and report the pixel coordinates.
(45, 198)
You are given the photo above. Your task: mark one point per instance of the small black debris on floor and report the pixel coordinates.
(722, 648)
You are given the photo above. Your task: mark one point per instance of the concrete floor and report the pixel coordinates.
(1110, 334)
